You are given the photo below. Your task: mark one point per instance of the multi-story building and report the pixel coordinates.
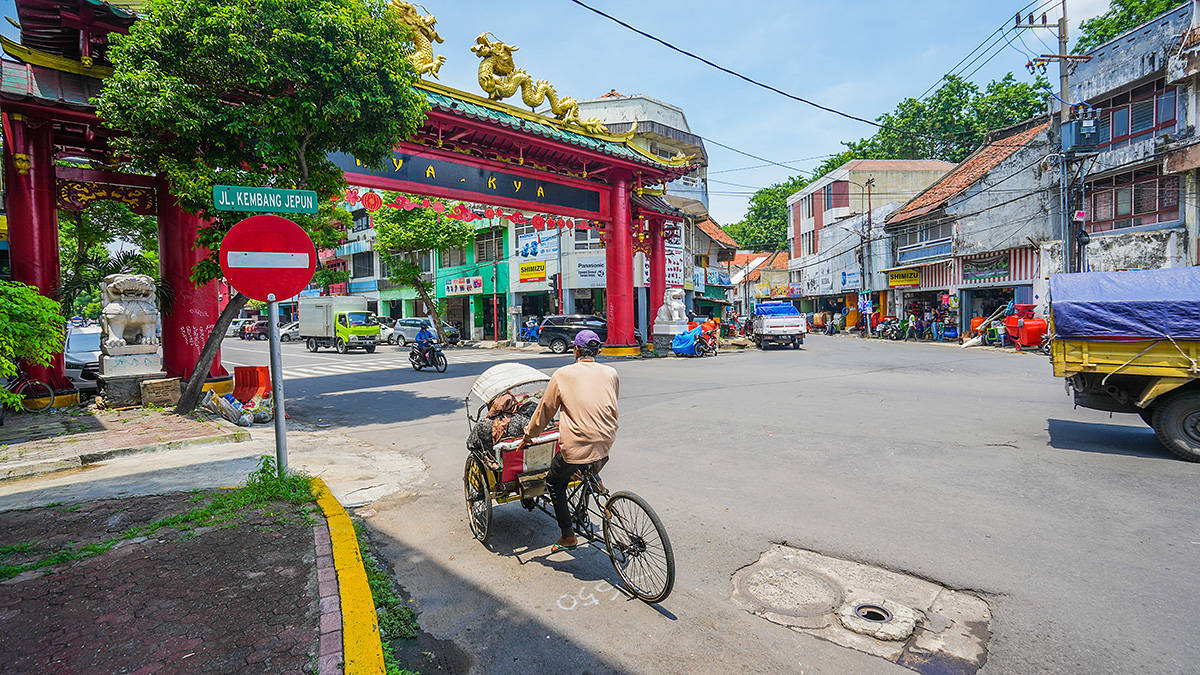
(1138, 205)
(850, 190)
(972, 241)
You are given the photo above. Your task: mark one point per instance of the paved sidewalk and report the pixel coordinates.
(239, 596)
(68, 438)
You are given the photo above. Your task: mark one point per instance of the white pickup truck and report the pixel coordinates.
(778, 323)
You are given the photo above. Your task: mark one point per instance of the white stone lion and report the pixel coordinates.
(129, 316)
(672, 309)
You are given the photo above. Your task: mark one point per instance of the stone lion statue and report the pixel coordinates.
(672, 309)
(128, 316)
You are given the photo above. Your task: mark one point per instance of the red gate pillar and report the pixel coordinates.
(658, 268)
(33, 221)
(193, 311)
(619, 283)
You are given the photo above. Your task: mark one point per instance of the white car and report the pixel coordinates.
(386, 330)
(235, 327)
(81, 355)
(290, 332)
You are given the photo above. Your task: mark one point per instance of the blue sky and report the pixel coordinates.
(858, 56)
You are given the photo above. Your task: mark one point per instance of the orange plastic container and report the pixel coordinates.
(1030, 332)
(976, 322)
(1012, 325)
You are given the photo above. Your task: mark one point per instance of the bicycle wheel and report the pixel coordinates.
(479, 499)
(639, 547)
(38, 396)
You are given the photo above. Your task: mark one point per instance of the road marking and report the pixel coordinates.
(268, 259)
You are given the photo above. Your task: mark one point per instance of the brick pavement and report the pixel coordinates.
(217, 599)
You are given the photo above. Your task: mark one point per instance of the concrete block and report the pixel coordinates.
(121, 391)
(163, 393)
(131, 364)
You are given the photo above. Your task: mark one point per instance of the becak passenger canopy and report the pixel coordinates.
(1141, 304)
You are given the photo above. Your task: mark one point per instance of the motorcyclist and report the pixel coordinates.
(425, 339)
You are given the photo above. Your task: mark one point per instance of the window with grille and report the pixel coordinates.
(1147, 110)
(1130, 199)
(489, 245)
(454, 256)
(362, 264)
(1141, 116)
(586, 240)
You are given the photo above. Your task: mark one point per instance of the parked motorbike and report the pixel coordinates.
(706, 344)
(435, 358)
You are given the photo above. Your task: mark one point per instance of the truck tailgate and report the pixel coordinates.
(1161, 359)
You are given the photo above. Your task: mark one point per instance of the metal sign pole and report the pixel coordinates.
(277, 386)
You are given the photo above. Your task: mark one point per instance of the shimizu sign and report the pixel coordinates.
(532, 271)
(263, 200)
(901, 278)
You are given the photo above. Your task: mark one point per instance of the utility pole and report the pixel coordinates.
(866, 272)
(1064, 115)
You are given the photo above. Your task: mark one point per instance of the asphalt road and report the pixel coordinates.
(967, 467)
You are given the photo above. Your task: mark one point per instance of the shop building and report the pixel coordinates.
(1140, 170)
(847, 267)
(713, 256)
(971, 242)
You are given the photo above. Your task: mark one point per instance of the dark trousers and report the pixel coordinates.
(560, 475)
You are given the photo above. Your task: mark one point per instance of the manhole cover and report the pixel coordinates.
(791, 592)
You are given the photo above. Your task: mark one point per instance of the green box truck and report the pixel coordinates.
(341, 322)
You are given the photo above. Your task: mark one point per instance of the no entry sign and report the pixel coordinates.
(268, 255)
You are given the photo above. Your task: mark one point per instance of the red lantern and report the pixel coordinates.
(438, 207)
(371, 202)
(539, 223)
(561, 223)
(488, 213)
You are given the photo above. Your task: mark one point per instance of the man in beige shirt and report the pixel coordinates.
(586, 393)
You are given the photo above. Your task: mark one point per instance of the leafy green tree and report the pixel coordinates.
(400, 235)
(92, 310)
(83, 281)
(765, 225)
(326, 276)
(84, 238)
(31, 330)
(1121, 16)
(258, 92)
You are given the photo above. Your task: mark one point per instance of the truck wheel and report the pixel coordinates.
(312, 345)
(1177, 424)
(558, 346)
(341, 346)
(370, 350)
(1147, 415)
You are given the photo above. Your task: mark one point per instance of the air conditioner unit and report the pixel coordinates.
(1079, 136)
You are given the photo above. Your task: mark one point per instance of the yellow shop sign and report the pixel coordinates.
(908, 277)
(532, 271)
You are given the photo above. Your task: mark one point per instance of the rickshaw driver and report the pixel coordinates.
(586, 393)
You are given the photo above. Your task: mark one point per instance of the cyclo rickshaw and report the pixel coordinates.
(630, 531)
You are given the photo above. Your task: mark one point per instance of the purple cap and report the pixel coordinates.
(583, 337)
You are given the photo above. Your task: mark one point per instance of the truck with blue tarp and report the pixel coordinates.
(1130, 342)
(778, 323)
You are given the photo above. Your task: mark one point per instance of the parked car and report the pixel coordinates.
(236, 326)
(386, 328)
(259, 330)
(405, 331)
(290, 332)
(82, 356)
(558, 331)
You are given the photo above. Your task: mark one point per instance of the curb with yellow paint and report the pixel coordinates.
(362, 650)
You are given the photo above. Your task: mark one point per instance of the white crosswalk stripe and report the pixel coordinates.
(472, 356)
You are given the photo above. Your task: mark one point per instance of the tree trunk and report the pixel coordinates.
(191, 395)
(432, 306)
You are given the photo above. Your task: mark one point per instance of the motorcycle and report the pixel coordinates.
(706, 344)
(418, 360)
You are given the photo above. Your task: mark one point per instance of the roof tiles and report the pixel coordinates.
(970, 170)
(715, 233)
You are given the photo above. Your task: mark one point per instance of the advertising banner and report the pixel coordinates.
(464, 286)
(532, 271)
(903, 278)
(537, 245)
(677, 267)
(698, 278)
(851, 281)
(795, 290)
(591, 272)
(715, 276)
(987, 267)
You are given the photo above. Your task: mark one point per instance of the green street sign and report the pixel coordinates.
(263, 200)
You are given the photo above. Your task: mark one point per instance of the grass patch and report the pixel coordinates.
(396, 619)
(23, 547)
(263, 486)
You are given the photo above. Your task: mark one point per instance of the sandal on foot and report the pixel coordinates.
(560, 547)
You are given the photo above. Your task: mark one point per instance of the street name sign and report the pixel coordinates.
(268, 258)
(263, 200)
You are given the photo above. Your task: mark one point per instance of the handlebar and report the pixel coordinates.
(508, 446)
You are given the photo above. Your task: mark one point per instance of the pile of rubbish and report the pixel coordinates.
(258, 410)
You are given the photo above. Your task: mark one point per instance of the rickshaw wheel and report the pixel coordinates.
(638, 546)
(479, 499)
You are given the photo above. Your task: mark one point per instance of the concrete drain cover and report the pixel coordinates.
(909, 621)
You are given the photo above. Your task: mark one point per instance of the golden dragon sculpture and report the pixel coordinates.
(500, 78)
(424, 35)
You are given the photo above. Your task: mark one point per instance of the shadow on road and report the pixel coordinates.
(1108, 439)
(511, 638)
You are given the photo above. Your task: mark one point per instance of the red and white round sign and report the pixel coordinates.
(268, 255)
